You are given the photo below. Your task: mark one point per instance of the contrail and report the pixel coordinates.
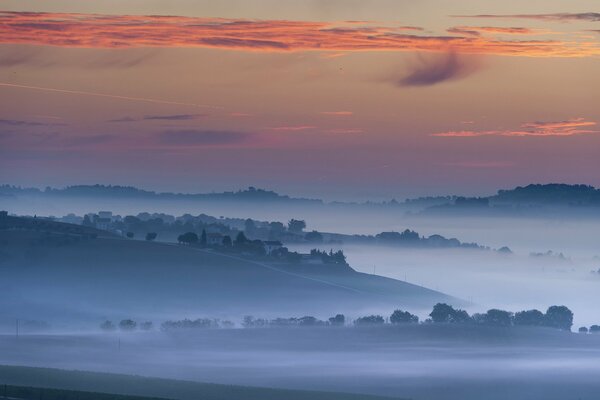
(111, 96)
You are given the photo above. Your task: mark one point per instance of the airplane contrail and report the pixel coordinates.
(111, 96)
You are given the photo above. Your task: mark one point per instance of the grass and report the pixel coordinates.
(67, 385)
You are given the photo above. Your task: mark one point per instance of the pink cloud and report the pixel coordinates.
(570, 127)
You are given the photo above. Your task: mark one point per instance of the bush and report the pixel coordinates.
(108, 326)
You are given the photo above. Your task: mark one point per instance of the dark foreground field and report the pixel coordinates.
(57, 384)
(418, 362)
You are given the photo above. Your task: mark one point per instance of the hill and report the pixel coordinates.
(70, 385)
(58, 275)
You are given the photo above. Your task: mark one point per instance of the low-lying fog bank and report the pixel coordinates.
(418, 362)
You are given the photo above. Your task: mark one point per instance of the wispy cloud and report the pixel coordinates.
(433, 69)
(478, 30)
(587, 16)
(570, 127)
(292, 128)
(21, 123)
(175, 117)
(123, 31)
(192, 137)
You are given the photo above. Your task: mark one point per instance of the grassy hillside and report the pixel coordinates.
(127, 385)
(61, 273)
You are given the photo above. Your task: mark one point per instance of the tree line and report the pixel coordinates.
(557, 317)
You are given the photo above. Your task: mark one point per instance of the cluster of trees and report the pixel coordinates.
(200, 323)
(332, 257)
(592, 329)
(126, 325)
(559, 317)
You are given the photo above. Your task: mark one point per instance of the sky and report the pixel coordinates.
(336, 99)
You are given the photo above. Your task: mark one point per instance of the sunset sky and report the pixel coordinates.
(338, 99)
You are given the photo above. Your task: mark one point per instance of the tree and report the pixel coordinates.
(559, 317)
(150, 236)
(249, 226)
(227, 241)
(403, 317)
(495, 317)
(370, 320)
(87, 221)
(130, 235)
(240, 239)
(296, 226)
(127, 325)
(188, 238)
(444, 313)
(203, 239)
(338, 320)
(595, 329)
(107, 326)
(529, 318)
(583, 329)
(314, 237)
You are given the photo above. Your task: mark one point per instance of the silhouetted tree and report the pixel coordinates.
(151, 236)
(188, 238)
(595, 329)
(495, 317)
(240, 239)
(203, 238)
(370, 320)
(583, 329)
(108, 326)
(227, 241)
(444, 313)
(403, 317)
(338, 320)
(127, 325)
(529, 318)
(87, 221)
(130, 235)
(559, 317)
(296, 226)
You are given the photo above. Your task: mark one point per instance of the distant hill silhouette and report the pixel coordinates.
(116, 191)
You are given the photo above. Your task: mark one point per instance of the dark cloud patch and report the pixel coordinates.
(433, 69)
(175, 117)
(203, 137)
(21, 123)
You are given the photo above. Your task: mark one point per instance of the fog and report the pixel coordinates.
(423, 362)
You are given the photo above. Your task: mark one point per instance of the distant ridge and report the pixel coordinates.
(116, 191)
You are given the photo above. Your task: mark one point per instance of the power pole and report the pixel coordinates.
(17, 328)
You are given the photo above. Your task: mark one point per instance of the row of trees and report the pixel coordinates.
(126, 325)
(559, 317)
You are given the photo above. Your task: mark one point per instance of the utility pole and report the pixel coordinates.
(17, 328)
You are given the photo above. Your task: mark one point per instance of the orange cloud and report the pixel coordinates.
(119, 31)
(478, 30)
(570, 127)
